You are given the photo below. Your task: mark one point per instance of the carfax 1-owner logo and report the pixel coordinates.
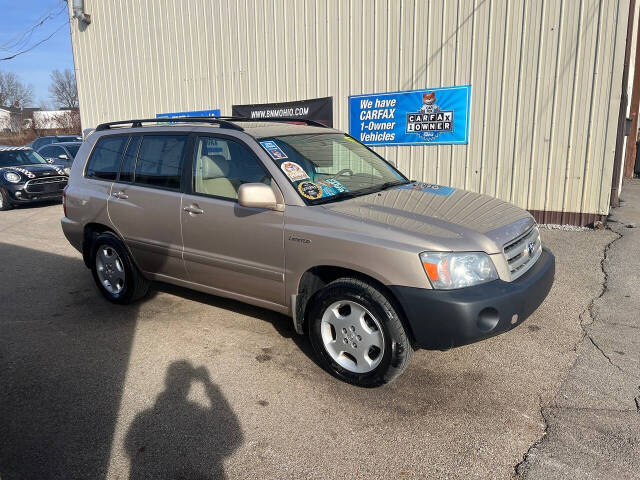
(433, 116)
(430, 121)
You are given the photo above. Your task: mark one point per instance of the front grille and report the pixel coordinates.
(46, 185)
(523, 252)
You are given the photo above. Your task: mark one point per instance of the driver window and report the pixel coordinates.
(221, 166)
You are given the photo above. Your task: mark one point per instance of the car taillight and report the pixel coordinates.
(64, 200)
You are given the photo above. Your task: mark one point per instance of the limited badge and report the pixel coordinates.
(274, 150)
(310, 190)
(294, 171)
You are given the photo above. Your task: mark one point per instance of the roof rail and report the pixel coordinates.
(313, 123)
(223, 123)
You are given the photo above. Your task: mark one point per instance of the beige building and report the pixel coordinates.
(546, 78)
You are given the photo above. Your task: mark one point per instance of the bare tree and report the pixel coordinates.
(13, 92)
(63, 89)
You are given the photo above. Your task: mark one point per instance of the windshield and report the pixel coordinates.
(329, 166)
(14, 158)
(73, 150)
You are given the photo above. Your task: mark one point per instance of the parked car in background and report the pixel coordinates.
(307, 221)
(26, 177)
(40, 142)
(61, 153)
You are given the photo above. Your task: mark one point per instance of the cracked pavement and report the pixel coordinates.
(593, 422)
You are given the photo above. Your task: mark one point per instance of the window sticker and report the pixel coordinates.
(294, 171)
(429, 188)
(310, 190)
(331, 187)
(273, 149)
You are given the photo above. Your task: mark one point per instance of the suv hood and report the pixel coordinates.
(439, 217)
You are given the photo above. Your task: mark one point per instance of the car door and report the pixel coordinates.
(228, 247)
(145, 203)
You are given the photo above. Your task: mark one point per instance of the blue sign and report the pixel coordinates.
(435, 116)
(196, 113)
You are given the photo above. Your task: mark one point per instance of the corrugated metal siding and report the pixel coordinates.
(545, 75)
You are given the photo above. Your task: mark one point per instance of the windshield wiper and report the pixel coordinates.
(332, 198)
(395, 183)
(359, 193)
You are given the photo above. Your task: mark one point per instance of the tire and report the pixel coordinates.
(121, 280)
(4, 201)
(385, 348)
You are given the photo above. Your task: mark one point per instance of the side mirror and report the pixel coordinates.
(258, 195)
(63, 156)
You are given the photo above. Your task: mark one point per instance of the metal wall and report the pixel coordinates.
(545, 76)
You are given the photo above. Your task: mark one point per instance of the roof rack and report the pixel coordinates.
(313, 123)
(223, 122)
(138, 123)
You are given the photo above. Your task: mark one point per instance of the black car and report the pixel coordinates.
(26, 177)
(40, 142)
(61, 153)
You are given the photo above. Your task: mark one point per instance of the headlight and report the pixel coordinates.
(12, 177)
(67, 170)
(447, 271)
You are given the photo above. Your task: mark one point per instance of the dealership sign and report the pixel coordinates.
(318, 109)
(434, 116)
(193, 113)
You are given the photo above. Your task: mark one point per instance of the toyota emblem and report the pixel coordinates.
(531, 248)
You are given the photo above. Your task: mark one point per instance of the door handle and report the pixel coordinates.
(121, 195)
(193, 210)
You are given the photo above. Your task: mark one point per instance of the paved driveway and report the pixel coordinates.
(186, 384)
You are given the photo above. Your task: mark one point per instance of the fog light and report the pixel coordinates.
(488, 319)
(18, 194)
(514, 319)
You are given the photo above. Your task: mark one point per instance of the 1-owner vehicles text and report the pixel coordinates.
(307, 221)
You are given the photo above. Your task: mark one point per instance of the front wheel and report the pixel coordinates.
(116, 276)
(357, 333)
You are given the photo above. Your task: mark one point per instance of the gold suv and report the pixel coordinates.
(307, 221)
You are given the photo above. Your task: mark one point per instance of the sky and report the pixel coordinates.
(34, 67)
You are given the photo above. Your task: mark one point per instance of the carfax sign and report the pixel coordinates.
(435, 116)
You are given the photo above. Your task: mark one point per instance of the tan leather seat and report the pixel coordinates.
(211, 177)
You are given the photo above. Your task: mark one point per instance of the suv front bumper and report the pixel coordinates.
(442, 319)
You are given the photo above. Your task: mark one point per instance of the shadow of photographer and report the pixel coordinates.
(182, 438)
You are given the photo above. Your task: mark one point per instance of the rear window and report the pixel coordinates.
(160, 161)
(105, 159)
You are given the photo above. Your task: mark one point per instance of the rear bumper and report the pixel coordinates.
(74, 232)
(441, 319)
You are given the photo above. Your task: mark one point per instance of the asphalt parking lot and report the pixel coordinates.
(183, 383)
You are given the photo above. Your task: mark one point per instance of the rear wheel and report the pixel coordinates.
(116, 276)
(4, 201)
(357, 333)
